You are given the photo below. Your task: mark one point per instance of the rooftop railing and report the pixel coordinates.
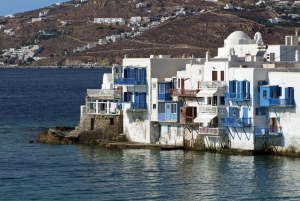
(212, 84)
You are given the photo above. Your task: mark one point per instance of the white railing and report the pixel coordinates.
(212, 131)
(102, 93)
(218, 110)
(212, 84)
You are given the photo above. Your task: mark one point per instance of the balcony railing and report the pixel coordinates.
(218, 110)
(164, 96)
(134, 105)
(267, 131)
(129, 81)
(281, 102)
(184, 92)
(236, 122)
(161, 116)
(212, 131)
(104, 93)
(237, 96)
(212, 84)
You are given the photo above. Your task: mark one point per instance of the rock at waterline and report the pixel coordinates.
(54, 136)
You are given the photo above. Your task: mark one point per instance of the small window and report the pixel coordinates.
(260, 111)
(154, 106)
(169, 128)
(174, 109)
(222, 100)
(265, 94)
(111, 121)
(274, 94)
(154, 85)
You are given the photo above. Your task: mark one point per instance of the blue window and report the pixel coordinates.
(260, 111)
(161, 108)
(173, 108)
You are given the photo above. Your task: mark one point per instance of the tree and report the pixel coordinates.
(121, 30)
(30, 59)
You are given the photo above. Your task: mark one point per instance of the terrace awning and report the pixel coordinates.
(209, 93)
(204, 118)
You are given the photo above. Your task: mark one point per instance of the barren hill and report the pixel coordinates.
(189, 35)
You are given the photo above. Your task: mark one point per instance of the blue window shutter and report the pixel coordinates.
(131, 72)
(144, 75)
(291, 93)
(125, 96)
(140, 76)
(247, 89)
(125, 73)
(287, 92)
(231, 86)
(241, 89)
(279, 91)
(230, 112)
(237, 86)
(143, 100)
(137, 100)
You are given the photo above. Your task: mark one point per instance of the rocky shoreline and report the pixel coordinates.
(72, 135)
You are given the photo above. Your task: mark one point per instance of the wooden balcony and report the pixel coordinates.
(184, 92)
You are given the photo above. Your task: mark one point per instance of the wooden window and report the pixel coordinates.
(222, 75)
(214, 75)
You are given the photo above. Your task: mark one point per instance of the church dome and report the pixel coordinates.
(238, 35)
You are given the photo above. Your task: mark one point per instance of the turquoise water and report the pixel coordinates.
(32, 100)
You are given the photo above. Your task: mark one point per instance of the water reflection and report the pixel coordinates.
(187, 175)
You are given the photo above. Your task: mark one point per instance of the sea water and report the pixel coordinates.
(33, 100)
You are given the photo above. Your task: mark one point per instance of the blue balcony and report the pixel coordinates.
(231, 96)
(266, 131)
(128, 81)
(164, 96)
(161, 116)
(236, 122)
(276, 102)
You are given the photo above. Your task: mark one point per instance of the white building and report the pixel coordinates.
(245, 98)
(119, 21)
(102, 41)
(275, 20)
(141, 5)
(228, 7)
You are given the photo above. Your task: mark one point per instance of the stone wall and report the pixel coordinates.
(99, 128)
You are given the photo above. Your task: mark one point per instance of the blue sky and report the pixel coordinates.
(18, 6)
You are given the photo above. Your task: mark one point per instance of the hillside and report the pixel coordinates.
(189, 35)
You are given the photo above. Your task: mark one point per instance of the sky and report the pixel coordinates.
(18, 6)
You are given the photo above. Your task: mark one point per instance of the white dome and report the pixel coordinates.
(238, 35)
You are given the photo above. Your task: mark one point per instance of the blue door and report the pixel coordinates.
(245, 116)
(168, 110)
